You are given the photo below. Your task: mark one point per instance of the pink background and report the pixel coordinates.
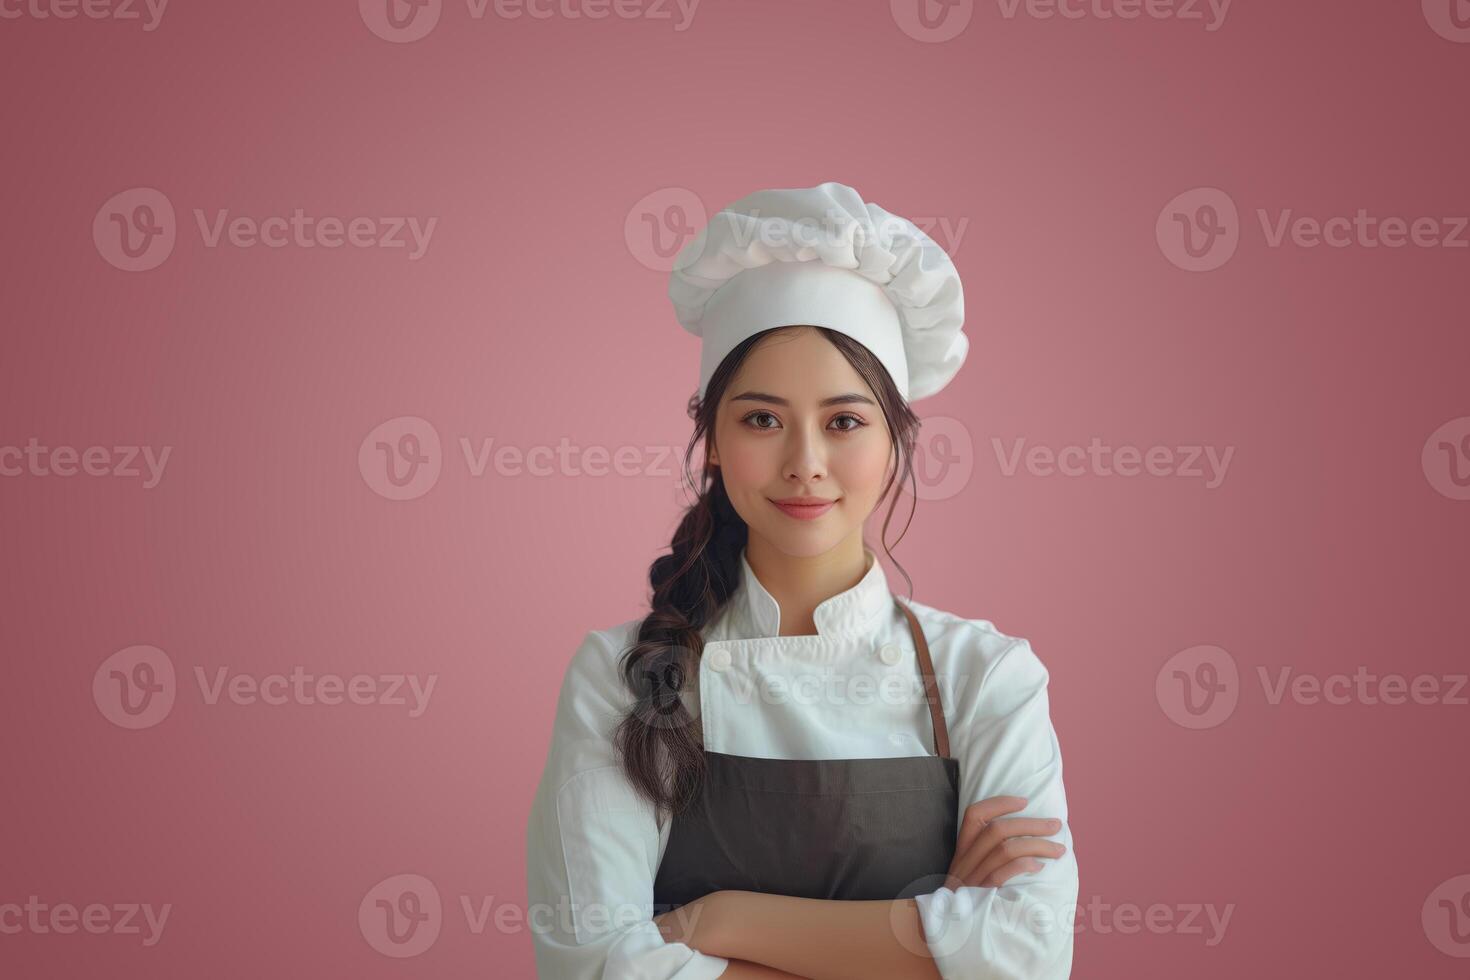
(538, 314)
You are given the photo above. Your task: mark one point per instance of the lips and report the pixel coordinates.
(804, 508)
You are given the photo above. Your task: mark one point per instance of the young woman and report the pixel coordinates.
(784, 770)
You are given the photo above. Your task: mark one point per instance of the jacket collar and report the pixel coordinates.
(752, 612)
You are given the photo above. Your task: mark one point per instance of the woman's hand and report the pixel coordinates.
(991, 851)
(686, 924)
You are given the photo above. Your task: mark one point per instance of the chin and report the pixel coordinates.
(806, 543)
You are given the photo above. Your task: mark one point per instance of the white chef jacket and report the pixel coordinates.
(851, 691)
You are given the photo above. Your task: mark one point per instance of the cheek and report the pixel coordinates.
(861, 471)
(746, 463)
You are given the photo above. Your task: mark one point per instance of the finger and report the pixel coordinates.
(978, 815)
(1011, 849)
(980, 863)
(1016, 848)
(995, 832)
(1006, 872)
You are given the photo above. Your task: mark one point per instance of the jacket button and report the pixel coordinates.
(889, 654)
(719, 659)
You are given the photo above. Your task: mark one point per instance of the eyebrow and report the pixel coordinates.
(844, 399)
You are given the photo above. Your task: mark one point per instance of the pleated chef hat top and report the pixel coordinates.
(822, 256)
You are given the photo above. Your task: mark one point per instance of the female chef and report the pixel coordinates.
(784, 770)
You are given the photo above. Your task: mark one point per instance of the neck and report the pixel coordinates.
(800, 583)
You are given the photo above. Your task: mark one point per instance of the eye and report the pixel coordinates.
(857, 423)
(758, 414)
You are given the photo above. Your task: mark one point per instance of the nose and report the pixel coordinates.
(807, 461)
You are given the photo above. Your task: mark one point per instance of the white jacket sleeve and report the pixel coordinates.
(1004, 740)
(593, 847)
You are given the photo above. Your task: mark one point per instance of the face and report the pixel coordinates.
(778, 435)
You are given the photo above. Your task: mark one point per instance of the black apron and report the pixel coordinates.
(851, 829)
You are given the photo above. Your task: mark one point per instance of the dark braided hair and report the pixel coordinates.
(660, 741)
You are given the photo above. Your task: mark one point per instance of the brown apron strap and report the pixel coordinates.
(931, 687)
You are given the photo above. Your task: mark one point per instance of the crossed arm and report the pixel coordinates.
(772, 937)
(607, 858)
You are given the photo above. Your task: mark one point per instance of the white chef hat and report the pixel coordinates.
(822, 256)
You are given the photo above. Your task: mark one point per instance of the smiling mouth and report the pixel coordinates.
(804, 512)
